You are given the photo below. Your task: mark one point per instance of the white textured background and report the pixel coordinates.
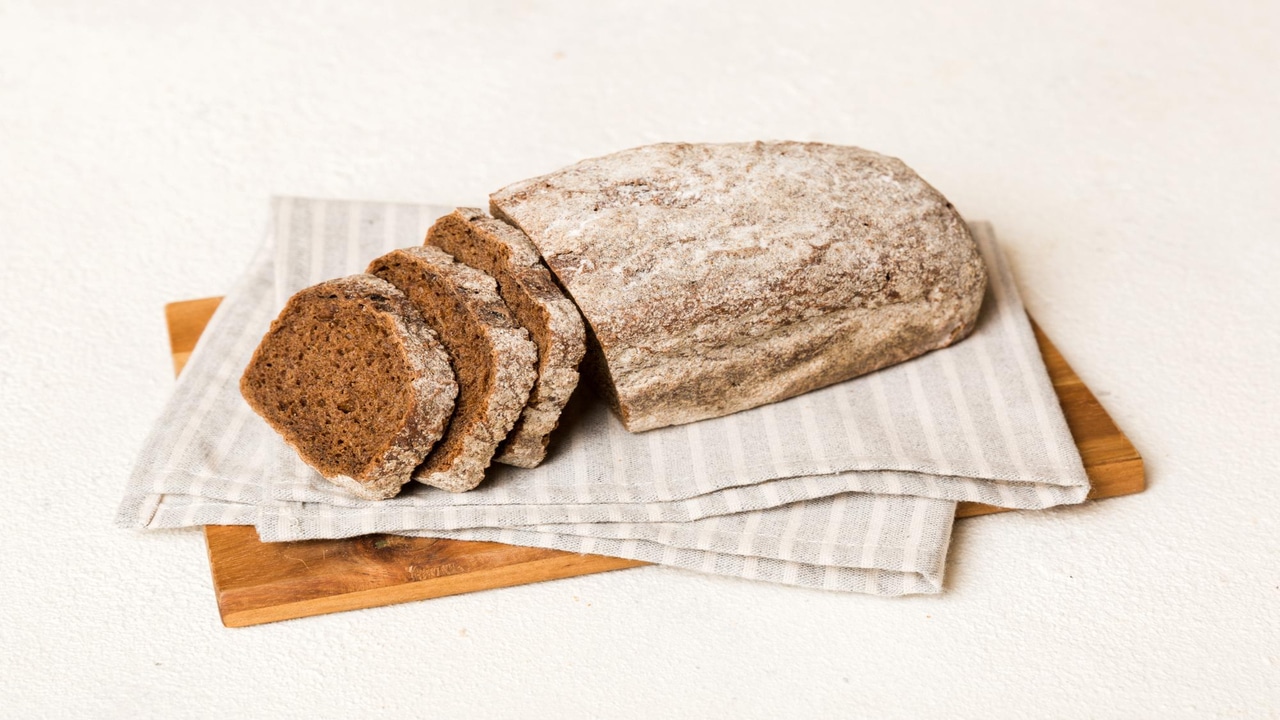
(1127, 153)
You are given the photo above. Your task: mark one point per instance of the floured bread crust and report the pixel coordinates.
(720, 277)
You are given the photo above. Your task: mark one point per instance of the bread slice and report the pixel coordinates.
(355, 380)
(492, 356)
(537, 304)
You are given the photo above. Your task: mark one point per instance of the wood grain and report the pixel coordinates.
(259, 582)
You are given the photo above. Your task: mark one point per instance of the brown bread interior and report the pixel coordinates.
(469, 348)
(332, 377)
(461, 240)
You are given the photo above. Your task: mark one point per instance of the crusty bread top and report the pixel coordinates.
(629, 233)
(740, 256)
(536, 303)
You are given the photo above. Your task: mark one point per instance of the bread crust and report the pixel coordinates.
(720, 277)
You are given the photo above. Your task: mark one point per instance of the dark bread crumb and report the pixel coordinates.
(353, 378)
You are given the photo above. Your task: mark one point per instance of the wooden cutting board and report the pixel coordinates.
(259, 582)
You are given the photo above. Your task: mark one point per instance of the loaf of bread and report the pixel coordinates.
(553, 322)
(720, 277)
(352, 377)
(492, 355)
(712, 279)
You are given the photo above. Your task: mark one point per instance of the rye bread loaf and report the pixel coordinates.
(553, 322)
(492, 357)
(720, 277)
(352, 377)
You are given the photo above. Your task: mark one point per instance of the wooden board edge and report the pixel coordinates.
(558, 567)
(369, 564)
(1109, 480)
(186, 321)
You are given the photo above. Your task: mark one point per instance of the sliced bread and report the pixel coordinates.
(355, 380)
(537, 304)
(492, 356)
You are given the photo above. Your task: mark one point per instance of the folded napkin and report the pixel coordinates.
(851, 487)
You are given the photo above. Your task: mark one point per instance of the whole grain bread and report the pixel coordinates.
(352, 377)
(492, 356)
(537, 304)
(720, 277)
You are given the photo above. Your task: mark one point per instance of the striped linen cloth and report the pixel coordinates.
(851, 487)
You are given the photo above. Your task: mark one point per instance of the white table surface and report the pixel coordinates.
(1127, 156)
